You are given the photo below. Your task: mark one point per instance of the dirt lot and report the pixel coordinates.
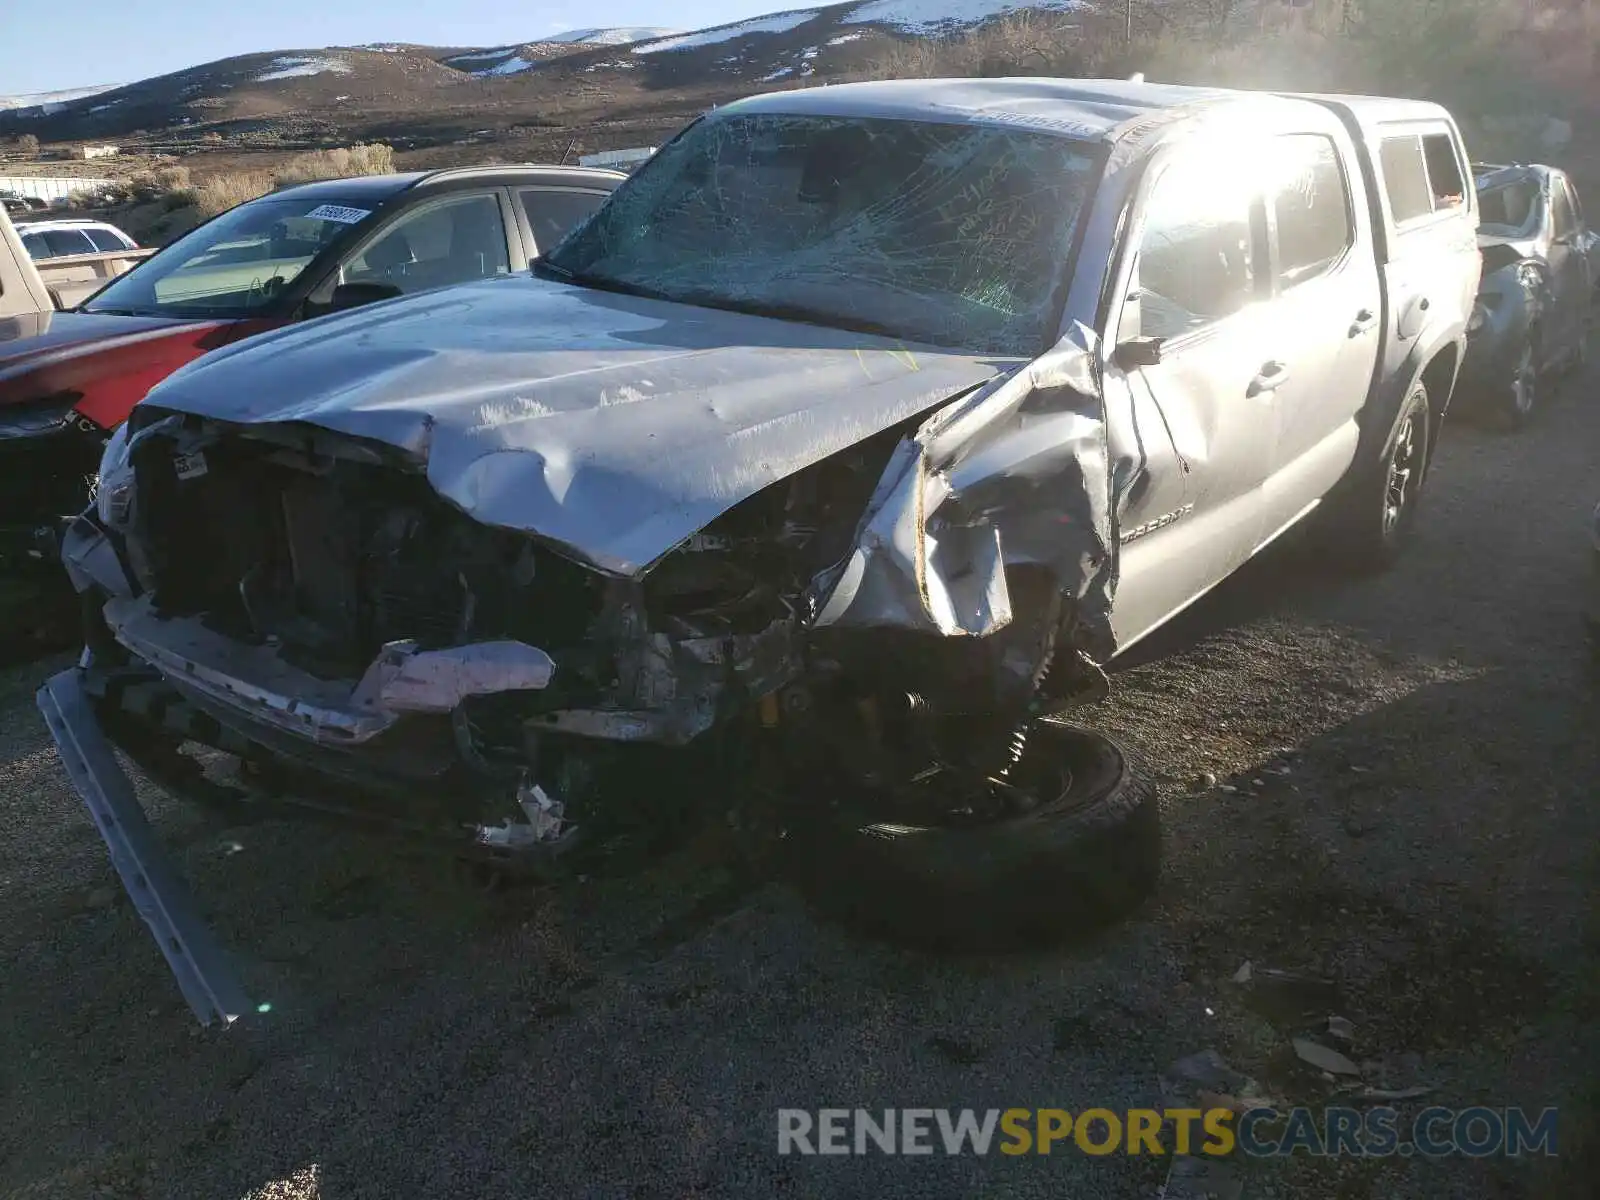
(1405, 779)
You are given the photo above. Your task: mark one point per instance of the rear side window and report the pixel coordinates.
(553, 214)
(1312, 202)
(1444, 171)
(105, 240)
(67, 241)
(1571, 190)
(1405, 178)
(33, 243)
(1422, 175)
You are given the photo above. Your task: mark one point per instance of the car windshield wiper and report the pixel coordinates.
(603, 283)
(781, 312)
(803, 313)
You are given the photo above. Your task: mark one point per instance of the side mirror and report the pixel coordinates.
(1138, 352)
(354, 295)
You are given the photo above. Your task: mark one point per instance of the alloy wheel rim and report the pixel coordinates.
(1402, 473)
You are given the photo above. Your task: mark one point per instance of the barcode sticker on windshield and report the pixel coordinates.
(339, 212)
(190, 466)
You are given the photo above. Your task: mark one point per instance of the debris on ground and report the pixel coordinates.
(1208, 1080)
(1288, 998)
(1201, 1179)
(1323, 1058)
(1410, 1093)
(1342, 1028)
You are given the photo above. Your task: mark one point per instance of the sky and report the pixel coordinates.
(122, 41)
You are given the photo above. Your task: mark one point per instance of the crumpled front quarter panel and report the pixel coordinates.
(1016, 474)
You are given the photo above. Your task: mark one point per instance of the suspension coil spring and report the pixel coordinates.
(1016, 741)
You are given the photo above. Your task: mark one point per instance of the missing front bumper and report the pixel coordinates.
(198, 962)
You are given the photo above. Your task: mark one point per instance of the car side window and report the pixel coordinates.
(552, 213)
(1405, 178)
(67, 241)
(1445, 183)
(455, 239)
(1311, 200)
(1421, 174)
(1198, 256)
(1571, 191)
(34, 244)
(105, 240)
(1563, 221)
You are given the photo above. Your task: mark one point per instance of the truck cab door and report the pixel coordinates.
(1326, 316)
(1189, 384)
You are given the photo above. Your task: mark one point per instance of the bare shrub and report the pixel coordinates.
(28, 144)
(219, 193)
(1462, 52)
(921, 58)
(369, 158)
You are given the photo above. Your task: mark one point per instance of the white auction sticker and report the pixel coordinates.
(340, 213)
(190, 466)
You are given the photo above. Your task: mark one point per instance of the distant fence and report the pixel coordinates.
(49, 187)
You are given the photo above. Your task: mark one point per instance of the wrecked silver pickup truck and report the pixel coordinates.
(852, 436)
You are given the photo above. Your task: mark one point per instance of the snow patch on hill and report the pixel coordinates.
(621, 35)
(478, 56)
(776, 23)
(35, 99)
(293, 66)
(925, 17)
(511, 66)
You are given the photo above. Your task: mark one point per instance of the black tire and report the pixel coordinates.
(1363, 526)
(1067, 868)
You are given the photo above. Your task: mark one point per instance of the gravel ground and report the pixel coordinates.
(1388, 784)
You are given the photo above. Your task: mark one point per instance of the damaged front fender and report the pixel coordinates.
(1015, 474)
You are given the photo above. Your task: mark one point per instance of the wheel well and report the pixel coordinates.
(1439, 378)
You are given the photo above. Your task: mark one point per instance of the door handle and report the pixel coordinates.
(1365, 320)
(1272, 377)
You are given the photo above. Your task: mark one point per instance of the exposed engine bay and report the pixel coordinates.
(290, 583)
(489, 615)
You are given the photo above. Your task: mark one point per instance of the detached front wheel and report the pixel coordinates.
(1069, 841)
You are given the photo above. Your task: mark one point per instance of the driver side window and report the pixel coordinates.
(1199, 257)
(452, 240)
(1564, 222)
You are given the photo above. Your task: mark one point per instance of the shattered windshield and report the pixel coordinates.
(953, 235)
(234, 266)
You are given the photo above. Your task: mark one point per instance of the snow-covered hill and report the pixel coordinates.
(53, 101)
(620, 35)
(410, 94)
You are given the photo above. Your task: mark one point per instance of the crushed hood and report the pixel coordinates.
(613, 426)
